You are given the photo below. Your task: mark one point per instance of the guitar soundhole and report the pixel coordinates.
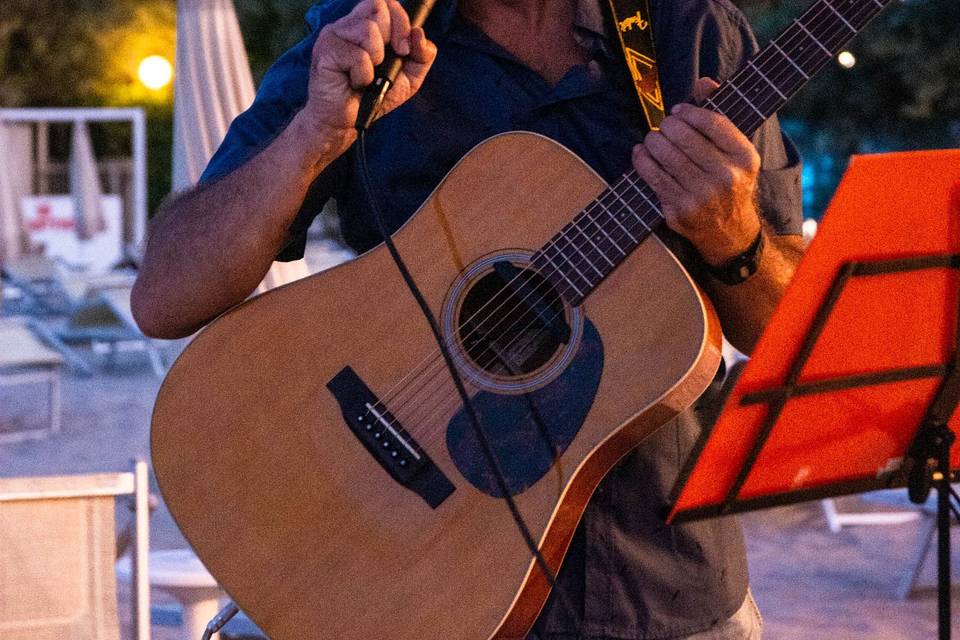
(508, 328)
(512, 329)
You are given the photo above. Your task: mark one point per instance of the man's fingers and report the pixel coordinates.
(399, 28)
(415, 66)
(346, 57)
(721, 132)
(674, 161)
(375, 11)
(666, 188)
(364, 34)
(694, 144)
(702, 88)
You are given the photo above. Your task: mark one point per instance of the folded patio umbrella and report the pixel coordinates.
(85, 184)
(213, 85)
(11, 226)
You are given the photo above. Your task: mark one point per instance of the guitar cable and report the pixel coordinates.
(485, 446)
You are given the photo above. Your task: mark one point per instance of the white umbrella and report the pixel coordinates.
(85, 184)
(11, 228)
(213, 85)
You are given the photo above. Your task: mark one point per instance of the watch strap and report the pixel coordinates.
(740, 267)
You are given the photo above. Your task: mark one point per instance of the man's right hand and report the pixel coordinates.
(344, 58)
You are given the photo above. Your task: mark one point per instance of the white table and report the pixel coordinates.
(181, 574)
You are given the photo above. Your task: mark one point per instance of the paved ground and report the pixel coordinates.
(810, 584)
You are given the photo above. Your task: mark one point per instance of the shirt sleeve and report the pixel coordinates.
(281, 94)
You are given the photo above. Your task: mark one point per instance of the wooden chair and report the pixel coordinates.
(57, 556)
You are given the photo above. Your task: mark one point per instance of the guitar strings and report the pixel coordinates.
(719, 105)
(745, 108)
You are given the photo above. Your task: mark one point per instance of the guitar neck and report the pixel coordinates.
(601, 236)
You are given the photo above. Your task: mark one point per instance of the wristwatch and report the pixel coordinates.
(740, 267)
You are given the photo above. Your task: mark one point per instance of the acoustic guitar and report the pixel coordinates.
(317, 456)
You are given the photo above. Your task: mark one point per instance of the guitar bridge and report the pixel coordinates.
(386, 439)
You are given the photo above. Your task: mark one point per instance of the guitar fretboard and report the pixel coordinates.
(601, 236)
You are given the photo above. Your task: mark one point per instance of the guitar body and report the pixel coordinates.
(299, 517)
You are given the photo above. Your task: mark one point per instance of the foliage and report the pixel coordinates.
(270, 27)
(86, 53)
(902, 94)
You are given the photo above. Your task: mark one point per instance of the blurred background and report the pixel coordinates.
(897, 88)
(84, 379)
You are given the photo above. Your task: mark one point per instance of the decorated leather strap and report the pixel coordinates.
(635, 28)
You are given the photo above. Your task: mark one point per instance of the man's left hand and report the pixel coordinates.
(704, 171)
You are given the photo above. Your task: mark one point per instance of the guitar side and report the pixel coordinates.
(294, 516)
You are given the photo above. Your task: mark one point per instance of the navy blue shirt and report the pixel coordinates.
(627, 574)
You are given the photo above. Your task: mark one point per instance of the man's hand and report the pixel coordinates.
(704, 170)
(344, 58)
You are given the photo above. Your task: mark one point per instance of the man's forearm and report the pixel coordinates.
(745, 308)
(210, 247)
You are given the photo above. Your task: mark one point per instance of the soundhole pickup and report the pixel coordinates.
(386, 439)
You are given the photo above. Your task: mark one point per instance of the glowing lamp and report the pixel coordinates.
(155, 72)
(846, 59)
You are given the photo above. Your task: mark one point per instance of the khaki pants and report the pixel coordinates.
(745, 624)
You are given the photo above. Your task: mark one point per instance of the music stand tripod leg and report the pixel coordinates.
(930, 468)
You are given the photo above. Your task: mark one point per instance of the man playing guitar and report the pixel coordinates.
(549, 67)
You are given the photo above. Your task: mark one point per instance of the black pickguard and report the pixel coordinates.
(524, 453)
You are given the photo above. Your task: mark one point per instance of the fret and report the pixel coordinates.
(733, 85)
(814, 38)
(759, 88)
(604, 231)
(650, 203)
(570, 261)
(594, 245)
(770, 82)
(853, 29)
(790, 60)
(566, 262)
(755, 91)
(558, 271)
(616, 219)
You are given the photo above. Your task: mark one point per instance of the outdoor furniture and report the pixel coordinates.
(107, 318)
(181, 574)
(836, 520)
(37, 278)
(57, 551)
(26, 360)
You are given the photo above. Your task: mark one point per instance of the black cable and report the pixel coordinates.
(220, 620)
(485, 446)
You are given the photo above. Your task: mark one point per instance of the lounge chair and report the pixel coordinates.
(26, 360)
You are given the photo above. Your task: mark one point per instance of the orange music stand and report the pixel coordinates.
(854, 384)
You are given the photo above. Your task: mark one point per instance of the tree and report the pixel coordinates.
(903, 93)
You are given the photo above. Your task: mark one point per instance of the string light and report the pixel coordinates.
(846, 59)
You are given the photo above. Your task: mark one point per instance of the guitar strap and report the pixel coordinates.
(634, 23)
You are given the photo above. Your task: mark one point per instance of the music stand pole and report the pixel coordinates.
(929, 467)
